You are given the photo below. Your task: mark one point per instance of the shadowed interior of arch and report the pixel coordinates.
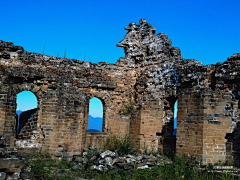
(26, 101)
(95, 120)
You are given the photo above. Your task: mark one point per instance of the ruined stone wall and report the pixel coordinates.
(95, 139)
(63, 88)
(154, 59)
(208, 112)
(189, 123)
(27, 124)
(217, 124)
(138, 95)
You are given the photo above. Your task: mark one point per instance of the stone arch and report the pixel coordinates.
(97, 124)
(36, 90)
(33, 115)
(10, 109)
(169, 115)
(104, 97)
(106, 102)
(168, 138)
(27, 119)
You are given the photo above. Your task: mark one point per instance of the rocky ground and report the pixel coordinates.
(12, 167)
(108, 160)
(92, 160)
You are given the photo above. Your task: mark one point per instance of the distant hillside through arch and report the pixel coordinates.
(95, 118)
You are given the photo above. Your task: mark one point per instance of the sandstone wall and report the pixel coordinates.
(27, 124)
(138, 95)
(96, 139)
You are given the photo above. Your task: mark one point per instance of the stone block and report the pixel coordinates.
(2, 176)
(9, 170)
(10, 163)
(15, 175)
(26, 175)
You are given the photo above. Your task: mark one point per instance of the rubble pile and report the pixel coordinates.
(10, 165)
(108, 160)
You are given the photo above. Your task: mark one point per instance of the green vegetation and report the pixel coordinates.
(65, 53)
(42, 166)
(122, 145)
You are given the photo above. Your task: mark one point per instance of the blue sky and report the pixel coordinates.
(206, 30)
(175, 114)
(26, 100)
(95, 107)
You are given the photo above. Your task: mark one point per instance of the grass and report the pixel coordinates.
(122, 145)
(43, 167)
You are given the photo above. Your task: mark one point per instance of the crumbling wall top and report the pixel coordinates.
(140, 45)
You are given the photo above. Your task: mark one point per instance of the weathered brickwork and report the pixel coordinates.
(27, 124)
(138, 95)
(96, 139)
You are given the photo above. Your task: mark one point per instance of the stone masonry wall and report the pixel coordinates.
(95, 139)
(138, 95)
(189, 124)
(27, 123)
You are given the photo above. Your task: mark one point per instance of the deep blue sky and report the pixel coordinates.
(95, 107)
(206, 30)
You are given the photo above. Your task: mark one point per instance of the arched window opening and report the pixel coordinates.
(26, 114)
(175, 118)
(95, 120)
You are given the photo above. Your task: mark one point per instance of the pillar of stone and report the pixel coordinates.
(189, 138)
(64, 116)
(219, 121)
(7, 116)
